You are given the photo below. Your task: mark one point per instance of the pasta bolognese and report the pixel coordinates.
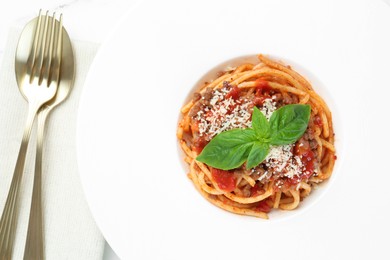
(288, 172)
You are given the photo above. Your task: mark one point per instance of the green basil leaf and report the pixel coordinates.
(228, 150)
(257, 155)
(260, 124)
(288, 123)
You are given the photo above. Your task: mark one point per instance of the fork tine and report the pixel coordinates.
(49, 53)
(56, 68)
(34, 47)
(42, 45)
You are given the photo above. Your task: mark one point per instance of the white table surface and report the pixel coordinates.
(13, 12)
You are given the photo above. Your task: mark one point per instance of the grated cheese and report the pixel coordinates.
(223, 114)
(269, 106)
(263, 175)
(281, 159)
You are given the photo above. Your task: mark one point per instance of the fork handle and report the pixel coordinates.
(34, 249)
(9, 217)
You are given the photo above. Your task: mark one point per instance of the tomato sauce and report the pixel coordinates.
(256, 190)
(225, 179)
(263, 206)
(262, 92)
(318, 121)
(302, 149)
(199, 144)
(234, 93)
(262, 86)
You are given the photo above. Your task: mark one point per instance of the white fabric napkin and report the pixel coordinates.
(69, 229)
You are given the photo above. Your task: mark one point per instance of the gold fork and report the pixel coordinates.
(38, 85)
(34, 249)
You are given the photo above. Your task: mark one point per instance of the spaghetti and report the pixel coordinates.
(289, 172)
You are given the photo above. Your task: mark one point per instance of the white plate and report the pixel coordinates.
(129, 160)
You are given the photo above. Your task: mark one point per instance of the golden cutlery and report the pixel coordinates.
(34, 249)
(39, 60)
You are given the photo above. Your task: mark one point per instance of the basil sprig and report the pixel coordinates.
(230, 149)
